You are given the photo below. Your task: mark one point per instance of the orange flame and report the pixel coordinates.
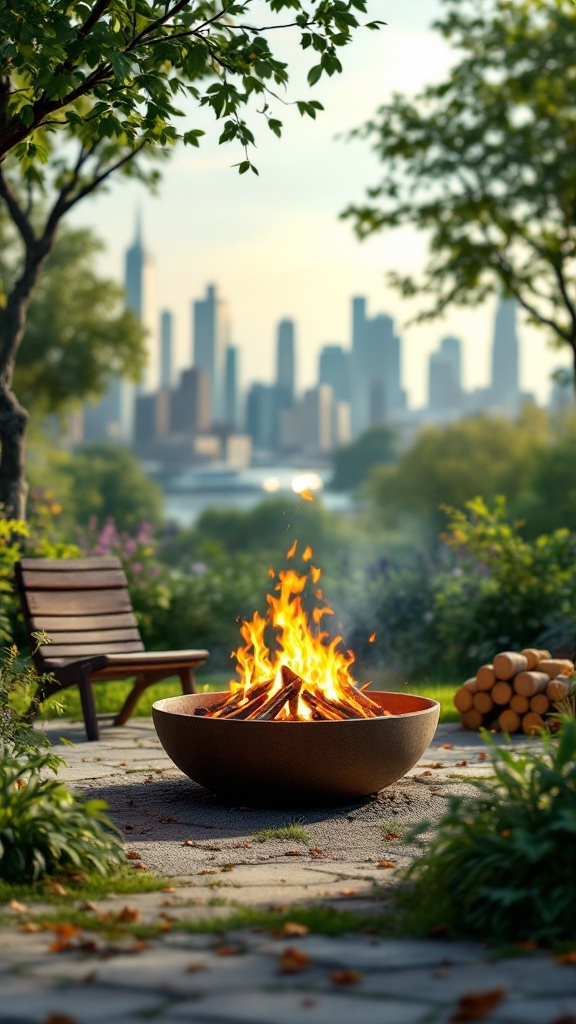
(299, 651)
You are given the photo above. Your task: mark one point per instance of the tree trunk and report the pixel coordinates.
(13, 425)
(13, 417)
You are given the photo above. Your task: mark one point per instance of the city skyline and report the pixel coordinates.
(275, 245)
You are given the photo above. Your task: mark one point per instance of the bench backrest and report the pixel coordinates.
(82, 604)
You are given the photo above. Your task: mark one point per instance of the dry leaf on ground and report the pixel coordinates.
(293, 961)
(477, 1005)
(294, 928)
(345, 977)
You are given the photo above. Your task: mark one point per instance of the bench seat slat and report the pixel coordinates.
(70, 564)
(84, 623)
(92, 636)
(78, 602)
(105, 579)
(79, 651)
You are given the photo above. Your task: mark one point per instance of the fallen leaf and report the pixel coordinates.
(348, 892)
(122, 764)
(482, 756)
(477, 1005)
(389, 836)
(293, 961)
(293, 853)
(140, 867)
(169, 888)
(461, 764)
(315, 852)
(227, 867)
(29, 926)
(188, 842)
(426, 773)
(566, 958)
(198, 966)
(132, 855)
(438, 765)
(20, 908)
(386, 864)
(66, 930)
(90, 906)
(345, 977)
(227, 950)
(56, 888)
(128, 915)
(294, 928)
(446, 746)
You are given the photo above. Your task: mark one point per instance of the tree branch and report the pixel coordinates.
(18, 214)
(94, 17)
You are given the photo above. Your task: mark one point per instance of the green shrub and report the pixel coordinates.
(44, 828)
(501, 867)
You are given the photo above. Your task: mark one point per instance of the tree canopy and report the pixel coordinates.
(77, 332)
(485, 163)
(353, 462)
(451, 465)
(94, 88)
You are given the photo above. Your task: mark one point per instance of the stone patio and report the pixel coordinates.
(210, 851)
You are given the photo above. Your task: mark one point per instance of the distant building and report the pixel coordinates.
(263, 416)
(309, 426)
(140, 282)
(505, 384)
(190, 406)
(231, 393)
(445, 377)
(377, 393)
(286, 362)
(334, 369)
(166, 348)
(210, 319)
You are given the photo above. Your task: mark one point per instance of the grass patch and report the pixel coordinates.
(321, 920)
(111, 695)
(435, 689)
(293, 830)
(122, 882)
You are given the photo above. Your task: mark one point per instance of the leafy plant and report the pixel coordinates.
(44, 828)
(502, 864)
(18, 681)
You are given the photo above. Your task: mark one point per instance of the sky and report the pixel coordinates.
(274, 244)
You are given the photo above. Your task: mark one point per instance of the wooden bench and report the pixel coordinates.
(83, 606)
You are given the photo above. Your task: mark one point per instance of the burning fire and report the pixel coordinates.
(307, 677)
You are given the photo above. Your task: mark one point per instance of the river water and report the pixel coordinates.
(192, 493)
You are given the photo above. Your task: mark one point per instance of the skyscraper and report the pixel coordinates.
(445, 376)
(286, 361)
(140, 282)
(506, 358)
(376, 368)
(231, 387)
(358, 377)
(166, 348)
(210, 318)
(334, 369)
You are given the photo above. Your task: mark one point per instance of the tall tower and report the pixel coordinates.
(166, 348)
(334, 369)
(231, 386)
(210, 318)
(506, 358)
(286, 361)
(359, 376)
(445, 376)
(140, 283)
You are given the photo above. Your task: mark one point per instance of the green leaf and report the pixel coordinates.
(314, 74)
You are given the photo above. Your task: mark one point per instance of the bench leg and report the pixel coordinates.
(131, 700)
(88, 707)
(187, 680)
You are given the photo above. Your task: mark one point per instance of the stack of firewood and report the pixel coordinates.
(515, 692)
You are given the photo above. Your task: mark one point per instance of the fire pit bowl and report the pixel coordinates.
(295, 763)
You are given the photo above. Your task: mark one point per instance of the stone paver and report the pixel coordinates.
(211, 850)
